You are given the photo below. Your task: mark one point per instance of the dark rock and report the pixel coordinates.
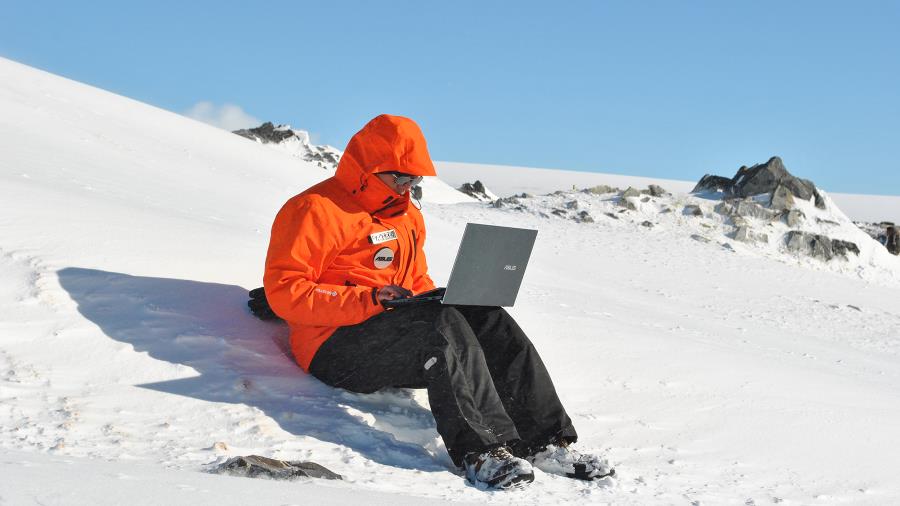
(584, 217)
(844, 247)
(475, 190)
(802, 188)
(470, 188)
(782, 198)
(892, 240)
(600, 189)
(819, 246)
(820, 201)
(713, 183)
(323, 156)
(885, 232)
(572, 204)
(647, 224)
(699, 238)
(657, 191)
(265, 133)
(760, 179)
(692, 210)
(611, 215)
(507, 201)
(814, 245)
(645, 199)
(559, 212)
(750, 209)
(254, 466)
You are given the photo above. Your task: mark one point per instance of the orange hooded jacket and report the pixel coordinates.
(334, 245)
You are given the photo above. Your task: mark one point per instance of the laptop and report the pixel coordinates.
(488, 269)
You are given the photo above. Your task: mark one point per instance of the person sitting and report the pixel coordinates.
(342, 247)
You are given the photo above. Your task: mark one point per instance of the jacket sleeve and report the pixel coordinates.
(304, 242)
(421, 280)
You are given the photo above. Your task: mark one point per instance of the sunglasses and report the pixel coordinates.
(401, 179)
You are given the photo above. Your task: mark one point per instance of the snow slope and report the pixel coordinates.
(128, 365)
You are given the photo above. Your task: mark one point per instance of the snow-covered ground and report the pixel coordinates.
(505, 181)
(708, 372)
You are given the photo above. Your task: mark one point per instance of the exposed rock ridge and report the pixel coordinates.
(770, 178)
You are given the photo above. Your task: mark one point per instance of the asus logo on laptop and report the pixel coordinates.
(509, 267)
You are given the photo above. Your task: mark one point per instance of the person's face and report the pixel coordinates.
(399, 182)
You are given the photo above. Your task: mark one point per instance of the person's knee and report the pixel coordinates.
(454, 328)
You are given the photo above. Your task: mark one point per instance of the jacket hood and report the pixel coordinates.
(387, 143)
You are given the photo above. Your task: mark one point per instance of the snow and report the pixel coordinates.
(508, 180)
(708, 372)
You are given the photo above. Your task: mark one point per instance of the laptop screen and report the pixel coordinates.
(489, 266)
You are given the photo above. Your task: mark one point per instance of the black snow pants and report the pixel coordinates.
(486, 383)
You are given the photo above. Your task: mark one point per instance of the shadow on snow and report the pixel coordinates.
(242, 360)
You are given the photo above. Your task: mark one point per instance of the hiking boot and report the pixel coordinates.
(497, 468)
(564, 460)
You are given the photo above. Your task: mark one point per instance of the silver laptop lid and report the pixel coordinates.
(489, 266)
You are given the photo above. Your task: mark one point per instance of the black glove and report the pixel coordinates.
(259, 306)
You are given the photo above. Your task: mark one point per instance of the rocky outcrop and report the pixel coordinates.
(818, 246)
(476, 190)
(324, 156)
(297, 141)
(510, 202)
(600, 189)
(656, 191)
(886, 233)
(713, 184)
(770, 178)
(765, 193)
(254, 466)
(266, 133)
(584, 217)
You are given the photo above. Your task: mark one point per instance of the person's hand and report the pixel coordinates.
(259, 306)
(391, 292)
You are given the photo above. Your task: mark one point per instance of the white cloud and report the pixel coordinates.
(226, 116)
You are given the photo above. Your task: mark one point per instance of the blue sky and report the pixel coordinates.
(658, 88)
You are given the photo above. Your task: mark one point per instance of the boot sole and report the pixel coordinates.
(517, 482)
